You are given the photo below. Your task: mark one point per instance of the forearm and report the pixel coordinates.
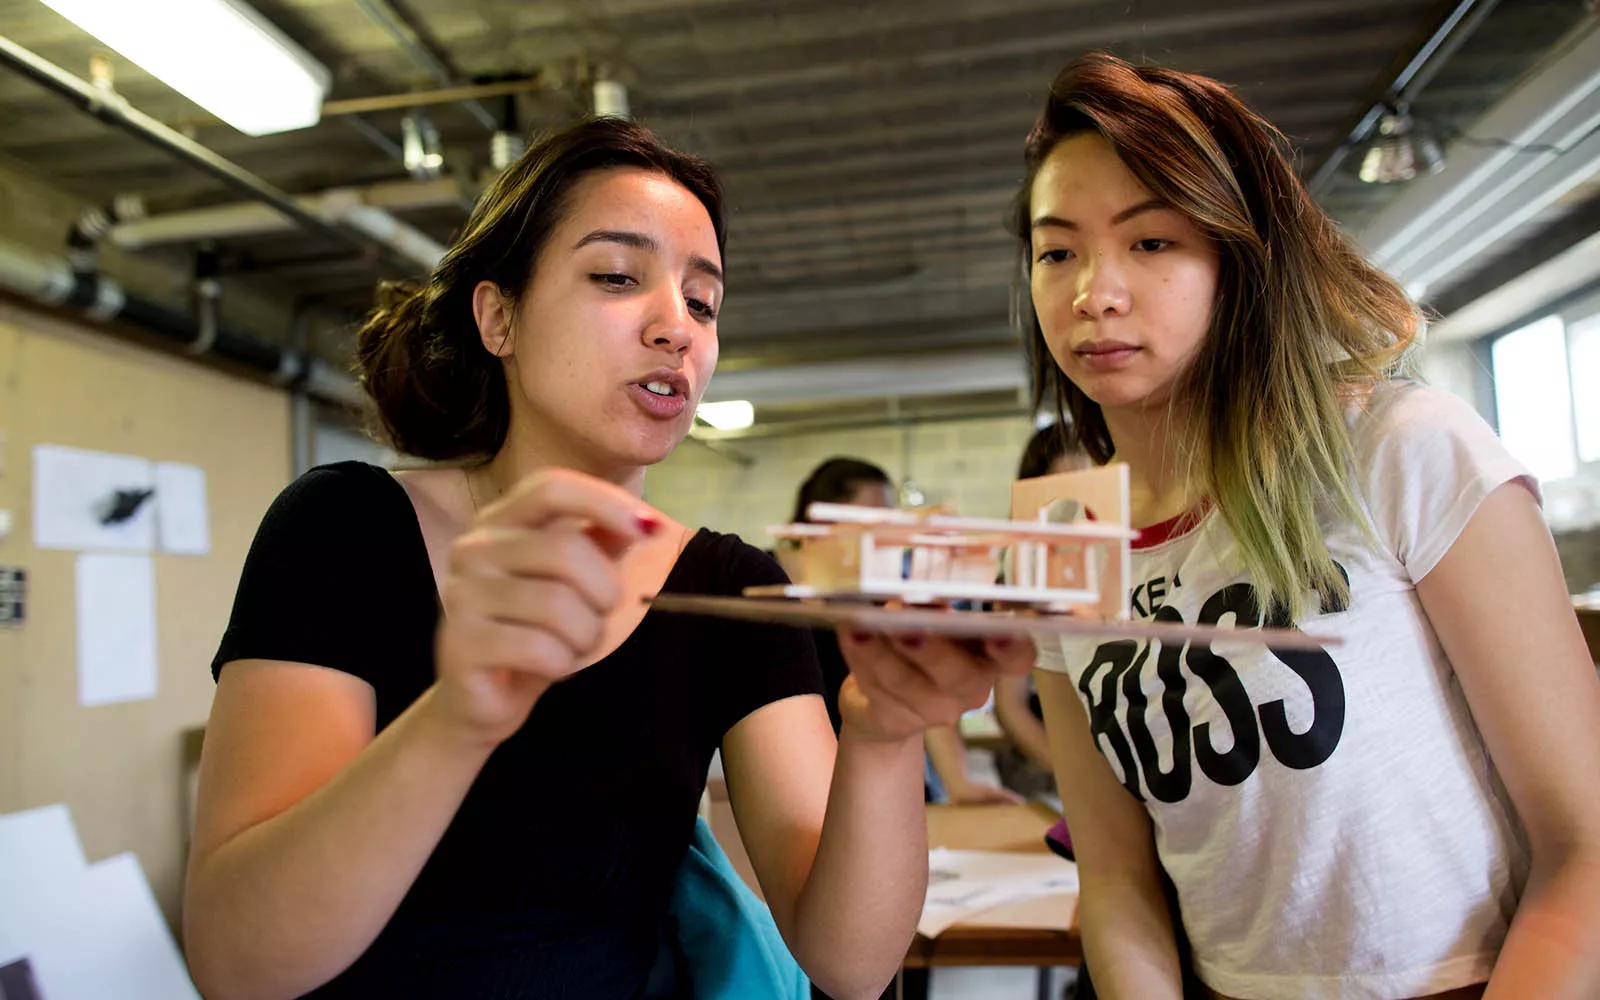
(1128, 941)
(859, 907)
(289, 903)
(949, 756)
(1553, 950)
(1027, 732)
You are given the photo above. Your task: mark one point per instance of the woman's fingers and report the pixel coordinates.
(1013, 656)
(533, 651)
(614, 518)
(571, 557)
(927, 682)
(552, 605)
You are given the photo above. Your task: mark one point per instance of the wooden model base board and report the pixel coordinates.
(933, 592)
(968, 624)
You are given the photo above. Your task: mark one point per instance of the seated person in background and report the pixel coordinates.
(1025, 765)
(858, 482)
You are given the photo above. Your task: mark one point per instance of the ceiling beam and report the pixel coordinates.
(1148, 31)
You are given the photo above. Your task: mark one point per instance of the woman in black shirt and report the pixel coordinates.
(450, 754)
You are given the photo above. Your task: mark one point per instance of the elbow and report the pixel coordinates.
(207, 974)
(216, 978)
(867, 986)
(1572, 862)
(219, 969)
(852, 973)
(207, 968)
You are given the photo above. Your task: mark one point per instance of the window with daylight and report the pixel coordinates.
(1533, 397)
(1583, 348)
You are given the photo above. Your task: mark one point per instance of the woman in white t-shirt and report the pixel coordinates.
(1413, 812)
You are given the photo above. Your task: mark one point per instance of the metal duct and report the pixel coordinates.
(52, 281)
(250, 219)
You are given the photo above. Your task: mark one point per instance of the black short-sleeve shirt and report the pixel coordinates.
(555, 874)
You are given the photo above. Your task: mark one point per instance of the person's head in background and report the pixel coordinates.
(1052, 449)
(573, 321)
(1190, 307)
(844, 480)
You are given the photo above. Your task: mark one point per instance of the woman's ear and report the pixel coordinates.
(491, 310)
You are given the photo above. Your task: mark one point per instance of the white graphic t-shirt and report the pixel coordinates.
(1332, 820)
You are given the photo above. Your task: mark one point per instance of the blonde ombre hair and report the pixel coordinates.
(1300, 318)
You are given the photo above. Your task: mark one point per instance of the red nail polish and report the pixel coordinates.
(860, 638)
(1003, 643)
(647, 523)
(912, 641)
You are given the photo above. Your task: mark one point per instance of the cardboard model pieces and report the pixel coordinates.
(1064, 549)
(1060, 566)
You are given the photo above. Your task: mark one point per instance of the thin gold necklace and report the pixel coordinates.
(472, 491)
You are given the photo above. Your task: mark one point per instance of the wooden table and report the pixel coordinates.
(1000, 936)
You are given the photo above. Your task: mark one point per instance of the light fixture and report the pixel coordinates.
(420, 147)
(731, 415)
(610, 99)
(219, 54)
(1401, 150)
(504, 148)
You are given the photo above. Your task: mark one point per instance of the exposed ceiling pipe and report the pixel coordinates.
(405, 34)
(427, 98)
(346, 206)
(405, 240)
(1405, 83)
(54, 282)
(115, 110)
(251, 219)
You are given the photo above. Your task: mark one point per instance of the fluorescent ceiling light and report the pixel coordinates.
(732, 415)
(219, 54)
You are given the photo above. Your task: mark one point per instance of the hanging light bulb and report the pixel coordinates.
(1401, 151)
(420, 147)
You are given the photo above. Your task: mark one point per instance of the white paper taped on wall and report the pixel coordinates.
(88, 932)
(76, 499)
(183, 524)
(116, 628)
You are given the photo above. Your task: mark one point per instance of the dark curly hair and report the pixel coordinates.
(437, 393)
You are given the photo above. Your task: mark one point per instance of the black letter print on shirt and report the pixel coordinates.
(1173, 785)
(1115, 659)
(1237, 764)
(1321, 676)
(1119, 665)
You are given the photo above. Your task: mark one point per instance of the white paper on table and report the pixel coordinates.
(39, 853)
(962, 884)
(183, 524)
(116, 628)
(93, 933)
(70, 486)
(39, 857)
(108, 939)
